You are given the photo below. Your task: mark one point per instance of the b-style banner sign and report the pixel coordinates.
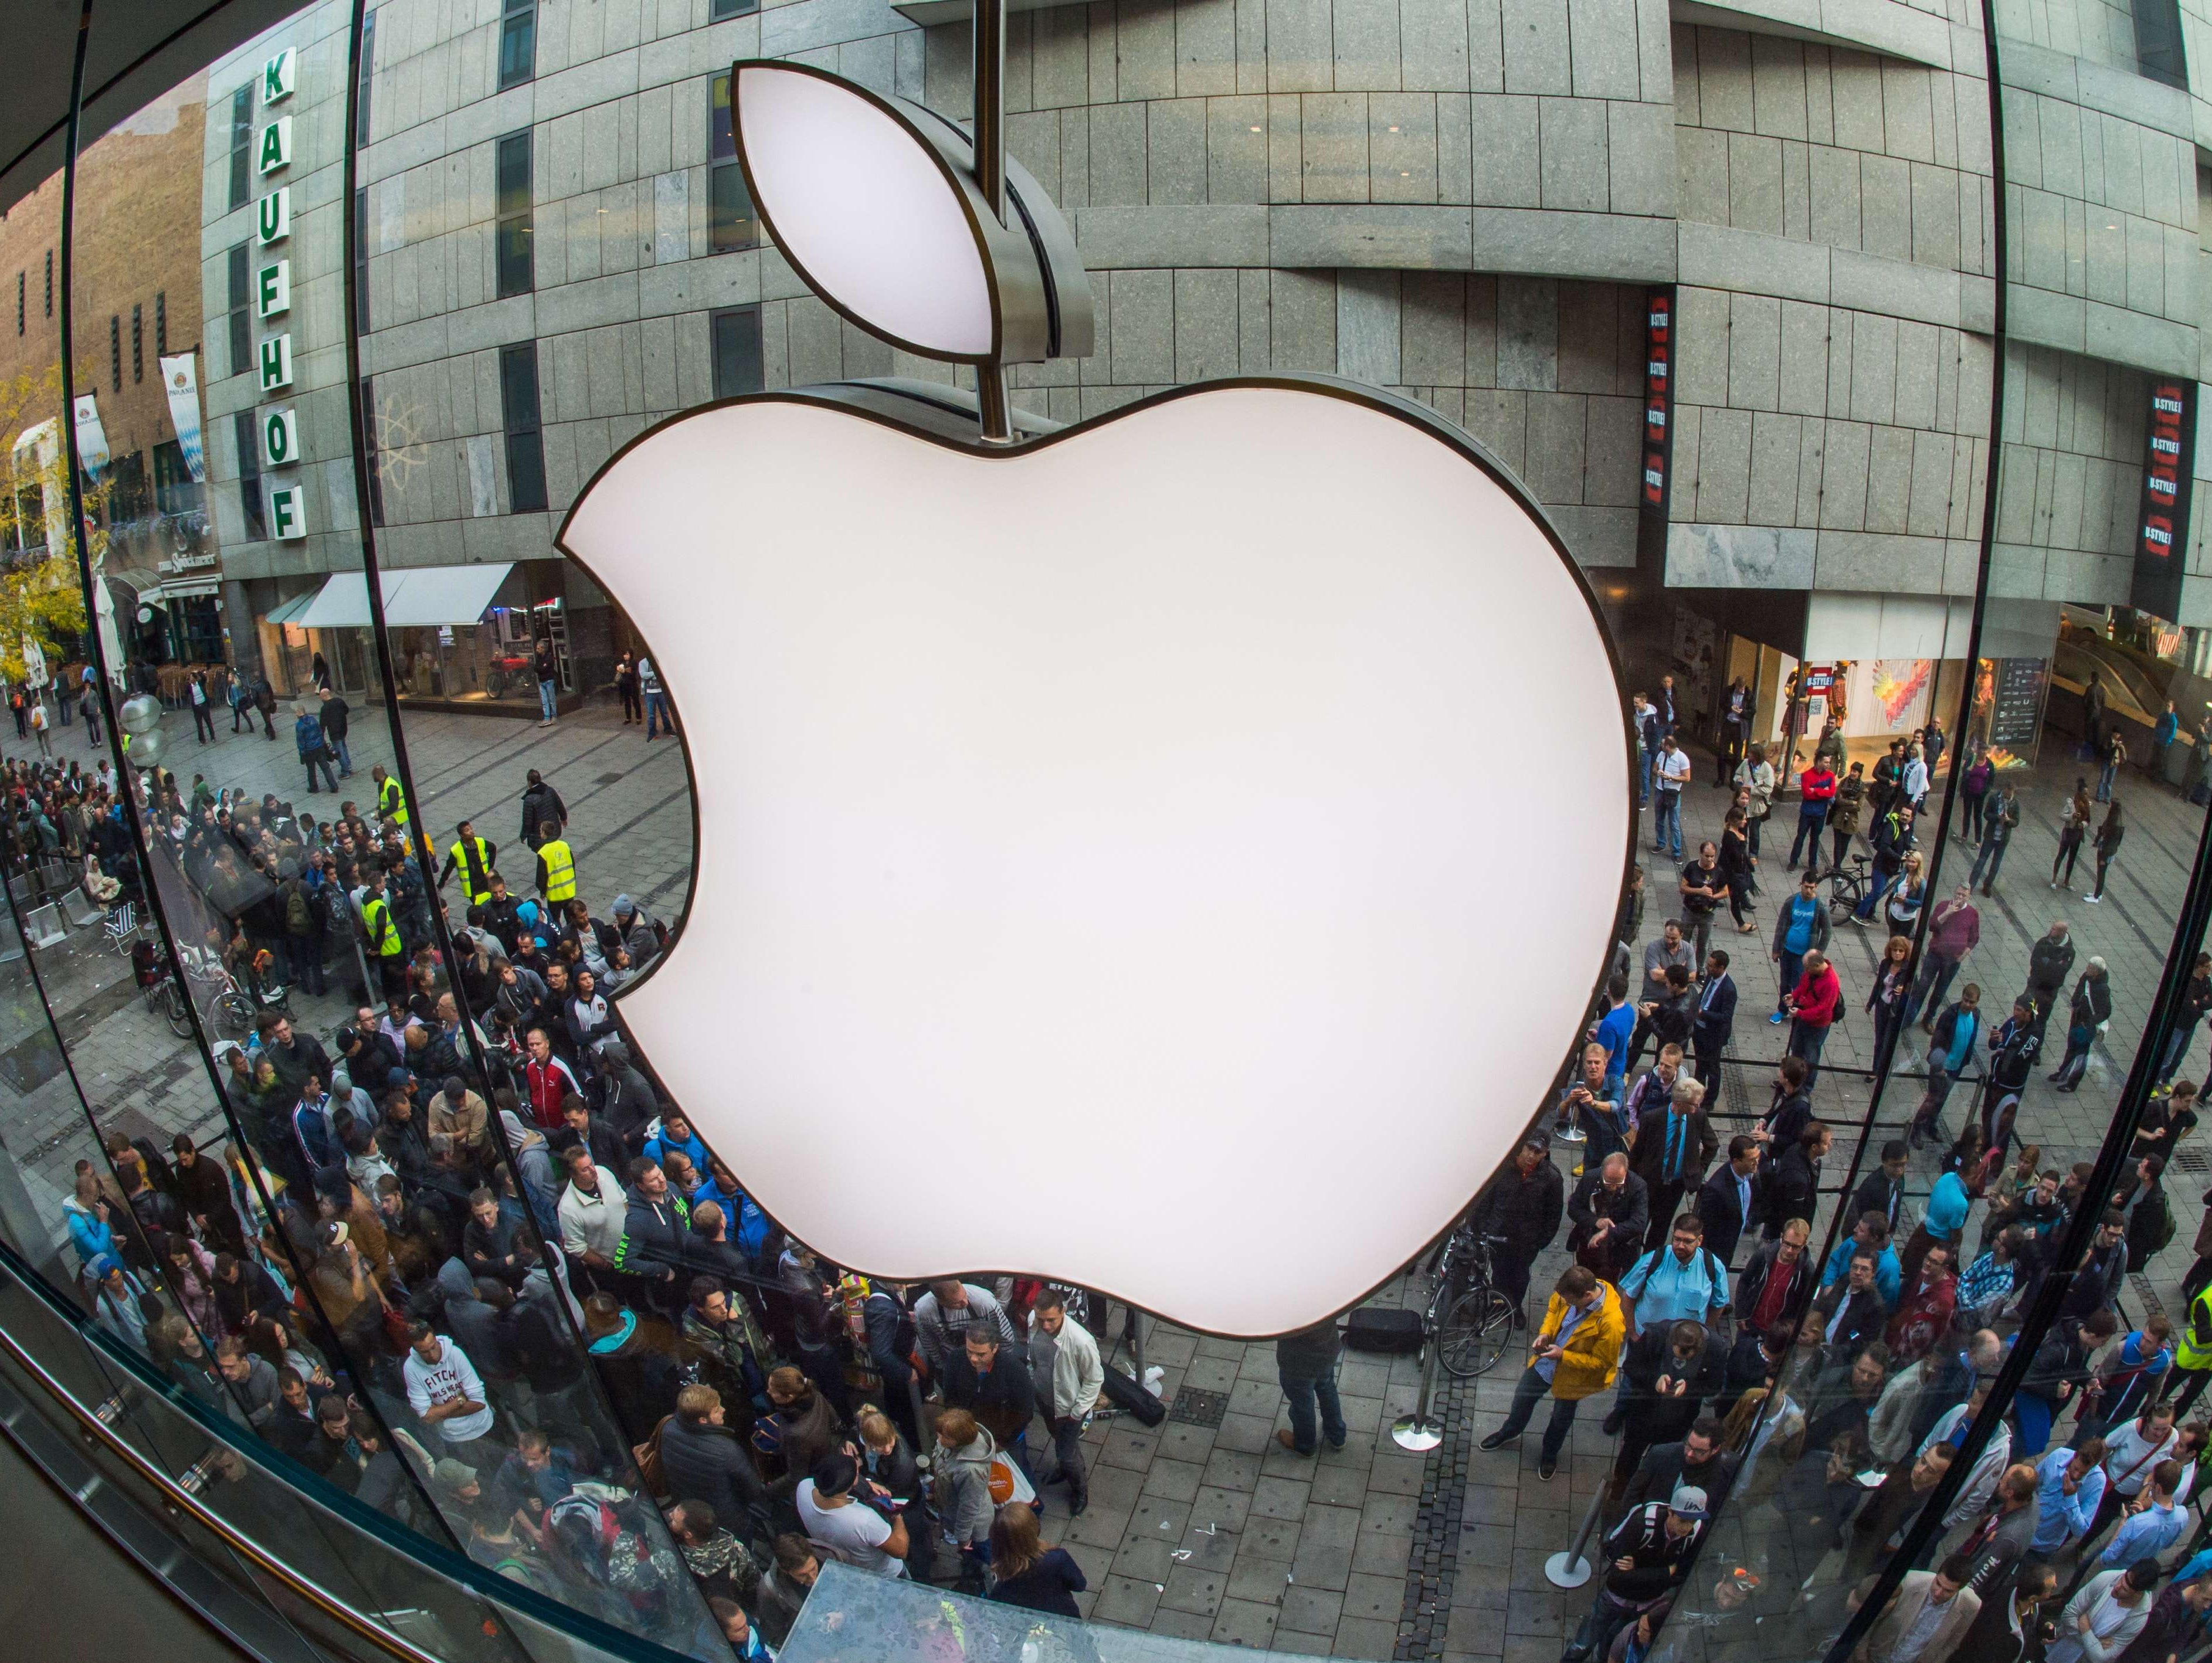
(2162, 532)
(180, 377)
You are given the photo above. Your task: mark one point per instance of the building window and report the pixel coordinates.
(241, 146)
(137, 343)
(525, 446)
(115, 351)
(175, 490)
(730, 221)
(367, 68)
(514, 233)
(161, 324)
(242, 308)
(126, 488)
(722, 8)
(360, 261)
(737, 347)
(245, 433)
(369, 442)
(518, 42)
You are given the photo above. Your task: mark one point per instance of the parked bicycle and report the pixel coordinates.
(1476, 1322)
(1847, 890)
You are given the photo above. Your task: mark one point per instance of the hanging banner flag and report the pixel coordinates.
(180, 376)
(1658, 396)
(2170, 453)
(37, 460)
(91, 437)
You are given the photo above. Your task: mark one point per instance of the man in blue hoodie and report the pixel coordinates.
(308, 737)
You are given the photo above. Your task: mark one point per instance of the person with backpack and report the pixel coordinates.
(303, 929)
(307, 740)
(38, 727)
(1681, 1282)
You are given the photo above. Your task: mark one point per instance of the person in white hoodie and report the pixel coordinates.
(1064, 1362)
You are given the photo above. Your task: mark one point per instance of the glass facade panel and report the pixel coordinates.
(1869, 419)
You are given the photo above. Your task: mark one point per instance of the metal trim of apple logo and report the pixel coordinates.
(1294, 1297)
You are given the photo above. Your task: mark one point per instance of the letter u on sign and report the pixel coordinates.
(272, 216)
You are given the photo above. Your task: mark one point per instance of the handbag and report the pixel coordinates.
(1009, 1483)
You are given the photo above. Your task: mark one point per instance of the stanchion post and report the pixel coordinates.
(920, 1421)
(1570, 1569)
(1420, 1430)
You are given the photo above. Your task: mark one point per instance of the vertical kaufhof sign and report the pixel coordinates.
(1658, 396)
(2163, 529)
(272, 300)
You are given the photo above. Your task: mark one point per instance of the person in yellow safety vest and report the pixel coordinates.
(385, 950)
(391, 797)
(557, 865)
(473, 858)
(2192, 1352)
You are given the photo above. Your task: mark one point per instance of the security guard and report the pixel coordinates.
(391, 798)
(556, 864)
(473, 858)
(385, 949)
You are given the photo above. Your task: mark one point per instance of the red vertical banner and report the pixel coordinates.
(1658, 397)
(2162, 531)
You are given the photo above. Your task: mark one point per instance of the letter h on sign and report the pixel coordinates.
(274, 362)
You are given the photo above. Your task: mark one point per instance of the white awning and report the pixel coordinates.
(442, 594)
(341, 604)
(288, 611)
(177, 588)
(418, 595)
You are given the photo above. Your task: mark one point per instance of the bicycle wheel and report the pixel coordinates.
(232, 1014)
(175, 1007)
(1475, 1333)
(1846, 891)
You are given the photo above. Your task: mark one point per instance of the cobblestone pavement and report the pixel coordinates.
(1206, 1527)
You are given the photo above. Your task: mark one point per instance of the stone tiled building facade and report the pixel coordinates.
(1468, 200)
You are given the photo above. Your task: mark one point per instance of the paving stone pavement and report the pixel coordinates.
(1204, 1531)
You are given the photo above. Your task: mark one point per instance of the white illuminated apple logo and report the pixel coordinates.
(1171, 855)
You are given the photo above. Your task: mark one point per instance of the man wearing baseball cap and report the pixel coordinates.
(1647, 1554)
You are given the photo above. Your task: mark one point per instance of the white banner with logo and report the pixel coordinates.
(180, 377)
(91, 437)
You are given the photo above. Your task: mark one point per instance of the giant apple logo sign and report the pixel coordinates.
(1182, 846)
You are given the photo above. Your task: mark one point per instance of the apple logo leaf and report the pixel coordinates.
(873, 202)
(1188, 840)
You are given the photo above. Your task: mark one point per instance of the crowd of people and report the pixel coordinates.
(443, 1212)
(428, 1228)
(1821, 1402)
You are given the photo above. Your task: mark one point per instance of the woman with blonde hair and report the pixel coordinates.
(1028, 1572)
(1885, 997)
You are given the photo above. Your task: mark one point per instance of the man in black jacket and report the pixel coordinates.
(1776, 1283)
(1729, 1201)
(1522, 1204)
(1610, 1208)
(1715, 1023)
(540, 802)
(1666, 1375)
(1000, 1394)
(1697, 1458)
(1793, 1189)
(1882, 1190)
(2048, 961)
(1849, 1315)
(1647, 1555)
(704, 1461)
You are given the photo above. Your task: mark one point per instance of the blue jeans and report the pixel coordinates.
(2177, 1048)
(1532, 1389)
(345, 761)
(1936, 973)
(2105, 777)
(545, 700)
(1667, 823)
(1810, 820)
(1793, 966)
(1806, 1040)
(1305, 1392)
(1992, 856)
(656, 715)
(1644, 789)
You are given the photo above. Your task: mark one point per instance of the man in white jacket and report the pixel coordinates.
(2108, 1612)
(1064, 1362)
(592, 1209)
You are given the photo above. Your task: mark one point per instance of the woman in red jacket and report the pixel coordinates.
(1813, 1004)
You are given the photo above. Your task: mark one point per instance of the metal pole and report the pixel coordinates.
(1420, 1430)
(1570, 1569)
(990, 77)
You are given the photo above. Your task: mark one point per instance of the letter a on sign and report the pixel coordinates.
(276, 145)
(280, 77)
(280, 438)
(272, 216)
(275, 362)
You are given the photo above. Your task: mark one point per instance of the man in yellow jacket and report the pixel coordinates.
(1576, 1355)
